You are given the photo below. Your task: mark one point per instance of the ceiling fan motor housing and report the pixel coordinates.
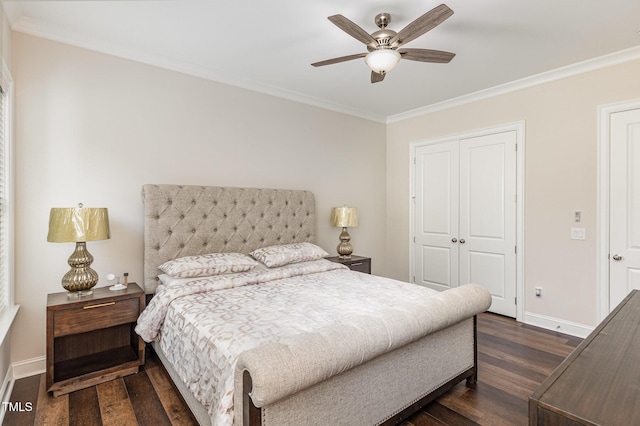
(382, 37)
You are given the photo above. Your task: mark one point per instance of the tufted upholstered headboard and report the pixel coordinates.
(184, 220)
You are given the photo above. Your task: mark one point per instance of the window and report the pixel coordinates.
(7, 308)
(4, 204)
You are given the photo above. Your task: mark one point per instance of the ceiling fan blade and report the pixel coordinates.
(421, 25)
(376, 78)
(427, 55)
(353, 30)
(340, 59)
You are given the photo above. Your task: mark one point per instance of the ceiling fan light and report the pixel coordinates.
(382, 60)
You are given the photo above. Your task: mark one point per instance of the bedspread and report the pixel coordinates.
(204, 324)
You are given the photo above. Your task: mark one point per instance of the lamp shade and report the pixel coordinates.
(78, 224)
(382, 60)
(344, 217)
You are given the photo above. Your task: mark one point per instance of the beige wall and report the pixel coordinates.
(94, 128)
(560, 178)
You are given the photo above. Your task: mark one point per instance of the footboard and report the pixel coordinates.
(384, 390)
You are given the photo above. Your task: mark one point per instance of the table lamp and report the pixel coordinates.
(344, 217)
(79, 225)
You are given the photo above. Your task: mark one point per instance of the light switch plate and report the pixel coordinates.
(577, 233)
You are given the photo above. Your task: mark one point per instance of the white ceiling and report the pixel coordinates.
(268, 46)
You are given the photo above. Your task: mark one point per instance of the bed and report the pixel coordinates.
(284, 336)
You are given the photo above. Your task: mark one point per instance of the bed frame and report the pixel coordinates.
(183, 220)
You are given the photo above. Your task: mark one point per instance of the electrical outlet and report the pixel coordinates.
(538, 291)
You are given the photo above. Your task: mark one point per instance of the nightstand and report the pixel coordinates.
(91, 339)
(355, 263)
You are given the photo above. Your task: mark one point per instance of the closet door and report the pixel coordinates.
(436, 215)
(465, 216)
(488, 217)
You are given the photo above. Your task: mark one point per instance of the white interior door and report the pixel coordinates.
(624, 205)
(465, 216)
(488, 217)
(436, 215)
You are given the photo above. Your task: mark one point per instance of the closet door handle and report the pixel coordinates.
(462, 241)
(454, 240)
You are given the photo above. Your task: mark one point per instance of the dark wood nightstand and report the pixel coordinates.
(355, 263)
(91, 339)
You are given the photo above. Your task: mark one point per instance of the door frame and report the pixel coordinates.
(602, 232)
(519, 128)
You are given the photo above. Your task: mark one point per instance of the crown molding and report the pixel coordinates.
(545, 77)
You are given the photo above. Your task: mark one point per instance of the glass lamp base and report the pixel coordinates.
(344, 248)
(81, 293)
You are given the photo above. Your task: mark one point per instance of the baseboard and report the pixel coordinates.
(555, 324)
(18, 370)
(29, 367)
(7, 387)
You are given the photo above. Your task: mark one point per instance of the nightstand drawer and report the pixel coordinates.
(95, 315)
(362, 266)
(355, 263)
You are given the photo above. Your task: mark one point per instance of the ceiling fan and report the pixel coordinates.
(383, 45)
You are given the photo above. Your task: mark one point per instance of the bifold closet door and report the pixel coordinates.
(465, 213)
(436, 215)
(488, 217)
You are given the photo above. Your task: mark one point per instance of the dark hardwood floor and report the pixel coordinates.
(513, 360)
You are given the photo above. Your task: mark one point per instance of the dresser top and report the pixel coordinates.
(599, 381)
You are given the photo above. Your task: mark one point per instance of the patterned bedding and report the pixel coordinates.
(203, 324)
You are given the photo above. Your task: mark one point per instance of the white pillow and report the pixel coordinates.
(204, 265)
(285, 254)
(168, 280)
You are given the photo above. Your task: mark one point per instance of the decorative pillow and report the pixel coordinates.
(204, 265)
(288, 253)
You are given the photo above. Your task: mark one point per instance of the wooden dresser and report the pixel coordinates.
(599, 382)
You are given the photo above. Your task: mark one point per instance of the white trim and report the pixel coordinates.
(10, 311)
(5, 391)
(29, 367)
(602, 227)
(6, 320)
(519, 128)
(520, 258)
(19, 370)
(534, 80)
(559, 325)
